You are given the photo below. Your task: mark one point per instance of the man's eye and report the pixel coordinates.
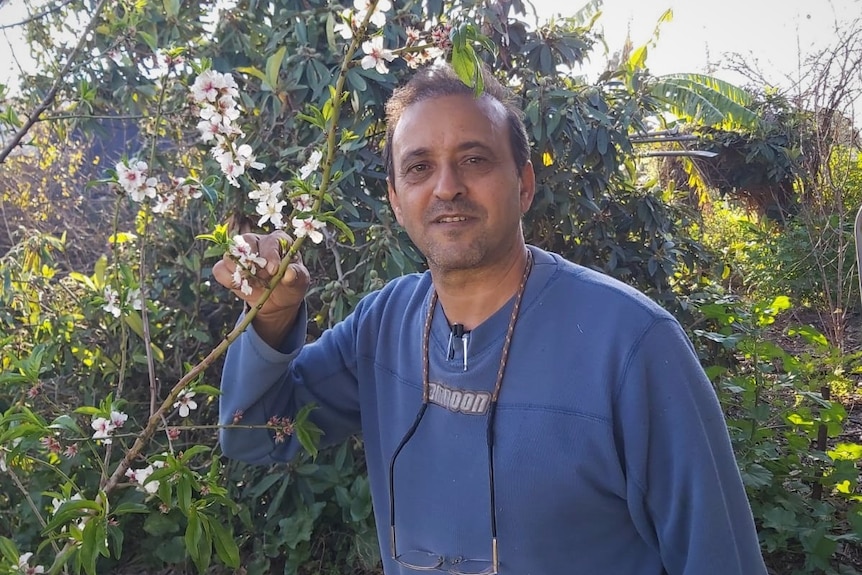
(474, 160)
(417, 168)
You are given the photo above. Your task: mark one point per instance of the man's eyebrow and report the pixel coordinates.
(462, 147)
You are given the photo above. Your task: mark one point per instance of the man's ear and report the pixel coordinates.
(527, 186)
(394, 200)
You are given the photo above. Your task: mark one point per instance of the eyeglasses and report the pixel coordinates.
(427, 560)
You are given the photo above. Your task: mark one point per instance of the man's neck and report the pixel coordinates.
(469, 297)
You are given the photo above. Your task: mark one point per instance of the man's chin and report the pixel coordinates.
(453, 259)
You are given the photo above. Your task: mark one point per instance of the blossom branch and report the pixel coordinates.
(151, 367)
(331, 139)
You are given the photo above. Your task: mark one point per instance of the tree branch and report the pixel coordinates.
(52, 93)
(37, 16)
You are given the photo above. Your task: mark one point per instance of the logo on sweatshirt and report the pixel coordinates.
(460, 400)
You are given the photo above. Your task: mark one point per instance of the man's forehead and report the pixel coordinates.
(421, 111)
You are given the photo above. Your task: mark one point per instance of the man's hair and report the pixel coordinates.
(438, 80)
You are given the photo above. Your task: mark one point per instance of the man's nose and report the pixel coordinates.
(450, 183)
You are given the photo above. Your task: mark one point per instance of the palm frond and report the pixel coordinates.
(706, 100)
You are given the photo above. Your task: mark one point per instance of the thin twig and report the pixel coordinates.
(31, 503)
(105, 117)
(35, 17)
(151, 366)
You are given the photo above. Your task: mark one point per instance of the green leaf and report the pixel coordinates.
(464, 64)
(756, 476)
(637, 61)
(193, 533)
(298, 527)
(203, 553)
(8, 550)
(126, 508)
(308, 435)
(207, 390)
(194, 450)
(810, 335)
(343, 228)
(225, 545)
(68, 423)
(172, 8)
(134, 321)
(184, 493)
(149, 40)
(94, 544)
(115, 534)
(158, 354)
(81, 278)
(273, 67)
(158, 524)
(846, 452)
(68, 511)
(704, 99)
(99, 272)
(252, 71)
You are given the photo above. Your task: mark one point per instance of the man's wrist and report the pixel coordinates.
(273, 326)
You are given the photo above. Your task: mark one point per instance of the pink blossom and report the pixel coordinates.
(303, 202)
(118, 418)
(413, 35)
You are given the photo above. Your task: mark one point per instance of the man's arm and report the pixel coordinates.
(269, 374)
(685, 492)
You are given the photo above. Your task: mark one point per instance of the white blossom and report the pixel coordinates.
(266, 192)
(376, 55)
(245, 156)
(378, 18)
(163, 203)
(24, 565)
(140, 476)
(271, 211)
(103, 429)
(112, 301)
(185, 402)
(311, 165)
(118, 418)
(308, 227)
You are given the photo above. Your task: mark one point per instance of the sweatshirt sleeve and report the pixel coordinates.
(259, 383)
(685, 493)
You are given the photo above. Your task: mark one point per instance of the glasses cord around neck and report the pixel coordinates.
(426, 396)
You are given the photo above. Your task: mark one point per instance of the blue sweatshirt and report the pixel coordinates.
(611, 452)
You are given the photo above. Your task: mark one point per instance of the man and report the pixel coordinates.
(521, 415)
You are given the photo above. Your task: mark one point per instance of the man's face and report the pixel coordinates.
(455, 186)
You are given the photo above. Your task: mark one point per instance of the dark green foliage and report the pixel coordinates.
(795, 447)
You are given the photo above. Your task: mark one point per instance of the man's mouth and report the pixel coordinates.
(451, 219)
